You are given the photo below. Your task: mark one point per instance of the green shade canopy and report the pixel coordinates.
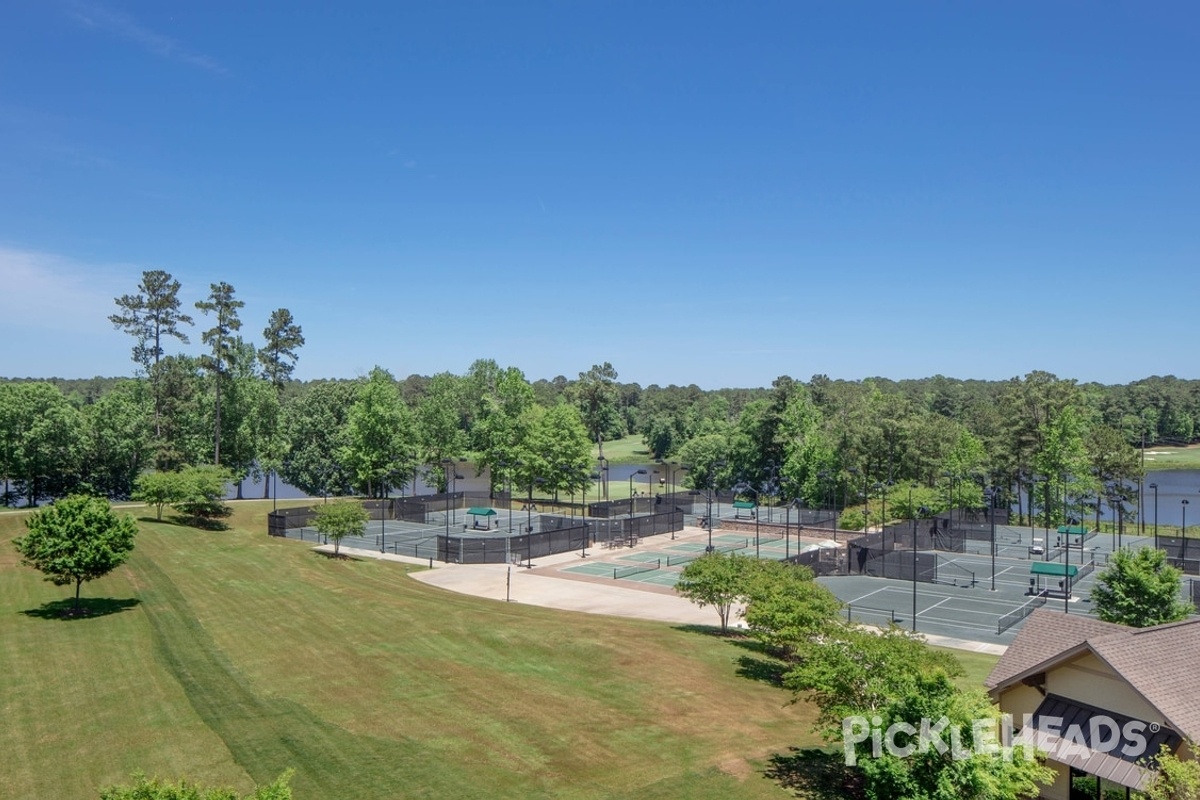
(1072, 530)
(482, 512)
(743, 504)
(1053, 568)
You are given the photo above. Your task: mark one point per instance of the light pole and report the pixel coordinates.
(1154, 486)
(1183, 533)
(990, 494)
(638, 472)
(603, 475)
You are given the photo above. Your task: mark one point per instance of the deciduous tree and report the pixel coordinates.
(1139, 588)
(159, 489)
(77, 539)
(340, 519)
(717, 580)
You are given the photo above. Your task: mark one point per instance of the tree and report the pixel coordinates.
(117, 439)
(381, 443)
(144, 788)
(559, 449)
(159, 489)
(717, 580)
(281, 339)
(183, 436)
(77, 539)
(1175, 778)
(439, 422)
(149, 316)
(201, 494)
(785, 607)
(315, 430)
(43, 439)
(851, 671)
(1139, 588)
(597, 396)
(974, 770)
(339, 519)
(219, 337)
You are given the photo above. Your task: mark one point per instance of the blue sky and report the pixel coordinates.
(698, 192)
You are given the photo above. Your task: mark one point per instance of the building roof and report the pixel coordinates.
(1053, 568)
(1161, 663)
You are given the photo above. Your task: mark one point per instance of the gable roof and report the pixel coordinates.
(1161, 663)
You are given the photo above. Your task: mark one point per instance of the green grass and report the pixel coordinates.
(976, 666)
(628, 450)
(1166, 458)
(229, 656)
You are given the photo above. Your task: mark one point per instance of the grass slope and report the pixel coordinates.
(229, 657)
(1163, 458)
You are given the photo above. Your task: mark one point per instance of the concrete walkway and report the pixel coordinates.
(543, 586)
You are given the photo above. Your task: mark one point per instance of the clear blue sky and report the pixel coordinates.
(699, 192)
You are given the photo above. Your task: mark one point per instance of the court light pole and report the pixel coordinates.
(913, 511)
(1183, 533)
(990, 494)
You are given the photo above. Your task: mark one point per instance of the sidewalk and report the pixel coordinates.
(543, 587)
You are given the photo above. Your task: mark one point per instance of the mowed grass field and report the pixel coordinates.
(1173, 457)
(229, 657)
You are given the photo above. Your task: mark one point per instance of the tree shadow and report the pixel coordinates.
(815, 773)
(89, 607)
(763, 670)
(200, 523)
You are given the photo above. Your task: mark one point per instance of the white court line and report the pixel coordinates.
(865, 596)
(935, 605)
(967, 599)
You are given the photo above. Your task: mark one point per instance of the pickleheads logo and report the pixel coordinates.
(1127, 740)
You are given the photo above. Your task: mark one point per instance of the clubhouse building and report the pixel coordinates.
(1100, 698)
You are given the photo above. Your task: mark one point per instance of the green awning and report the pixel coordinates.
(1072, 530)
(482, 512)
(743, 504)
(1053, 568)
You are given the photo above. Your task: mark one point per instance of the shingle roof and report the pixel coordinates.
(1162, 663)
(1045, 636)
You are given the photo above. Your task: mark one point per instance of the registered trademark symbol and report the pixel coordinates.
(1154, 726)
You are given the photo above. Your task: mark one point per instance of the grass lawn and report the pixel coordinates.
(229, 657)
(1173, 457)
(628, 450)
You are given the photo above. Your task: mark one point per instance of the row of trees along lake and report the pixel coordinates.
(1043, 442)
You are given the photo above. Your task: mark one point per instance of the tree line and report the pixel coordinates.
(1050, 445)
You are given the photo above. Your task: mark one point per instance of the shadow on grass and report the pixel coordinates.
(201, 523)
(89, 607)
(815, 773)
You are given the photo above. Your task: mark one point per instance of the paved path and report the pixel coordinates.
(544, 586)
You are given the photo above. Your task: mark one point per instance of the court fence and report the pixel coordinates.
(823, 561)
(1195, 592)
(1182, 553)
(552, 533)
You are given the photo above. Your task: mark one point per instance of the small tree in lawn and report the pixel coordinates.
(1139, 588)
(202, 493)
(717, 580)
(77, 539)
(339, 519)
(158, 489)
